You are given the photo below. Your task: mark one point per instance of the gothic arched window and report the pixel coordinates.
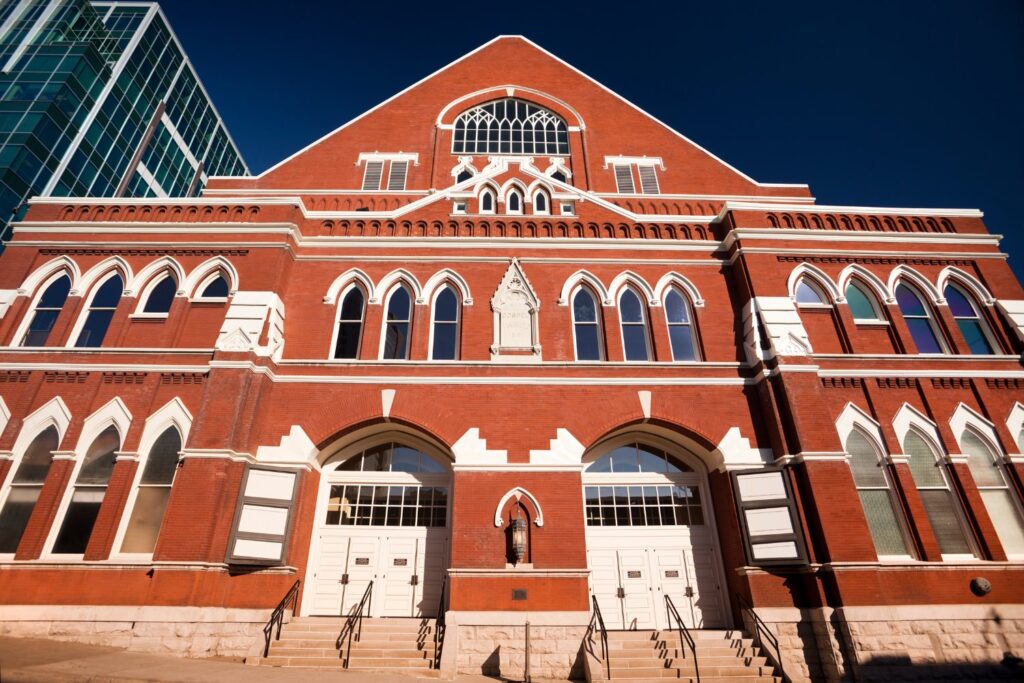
(350, 324)
(161, 295)
(101, 312)
(635, 340)
(445, 345)
(586, 325)
(969, 320)
(153, 493)
(398, 325)
(89, 489)
(680, 326)
(510, 126)
(919, 320)
(46, 311)
(861, 304)
(25, 487)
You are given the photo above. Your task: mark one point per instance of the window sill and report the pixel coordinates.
(211, 300)
(148, 316)
(871, 323)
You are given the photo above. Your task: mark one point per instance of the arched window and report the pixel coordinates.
(350, 324)
(969, 321)
(876, 497)
(808, 293)
(46, 311)
(586, 326)
(445, 344)
(90, 487)
(25, 487)
(216, 288)
(1003, 509)
(861, 303)
(635, 340)
(398, 325)
(937, 496)
(540, 202)
(161, 296)
(560, 177)
(153, 493)
(514, 202)
(487, 201)
(919, 320)
(101, 312)
(680, 326)
(510, 126)
(464, 175)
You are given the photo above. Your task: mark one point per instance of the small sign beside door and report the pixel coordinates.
(671, 573)
(362, 561)
(633, 574)
(401, 562)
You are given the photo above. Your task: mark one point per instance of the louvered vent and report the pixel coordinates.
(396, 178)
(648, 180)
(624, 179)
(371, 180)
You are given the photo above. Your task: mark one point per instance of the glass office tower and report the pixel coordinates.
(97, 99)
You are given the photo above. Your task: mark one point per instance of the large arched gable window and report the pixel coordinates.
(862, 303)
(586, 325)
(397, 325)
(919, 320)
(876, 497)
(968, 319)
(90, 487)
(1003, 508)
(46, 310)
(100, 312)
(679, 316)
(636, 344)
(444, 343)
(154, 491)
(25, 487)
(350, 323)
(510, 126)
(937, 496)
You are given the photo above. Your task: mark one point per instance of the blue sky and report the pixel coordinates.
(907, 103)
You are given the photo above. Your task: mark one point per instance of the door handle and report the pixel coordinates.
(344, 580)
(415, 580)
(689, 592)
(621, 593)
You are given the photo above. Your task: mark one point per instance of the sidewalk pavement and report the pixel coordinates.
(33, 660)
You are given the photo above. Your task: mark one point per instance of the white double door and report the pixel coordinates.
(406, 566)
(632, 570)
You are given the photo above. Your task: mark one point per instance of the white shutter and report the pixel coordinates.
(371, 179)
(263, 518)
(648, 180)
(396, 178)
(624, 179)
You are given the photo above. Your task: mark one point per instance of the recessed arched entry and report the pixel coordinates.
(651, 533)
(382, 515)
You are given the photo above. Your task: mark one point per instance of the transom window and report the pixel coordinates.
(637, 457)
(366, 505)
(391, 457)
(643, 505)
(510, 126)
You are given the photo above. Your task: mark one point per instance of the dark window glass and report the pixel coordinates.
(396, 338)
(25, 487)
(47, 311)
(446, 326)
(969, 321)
(860, 303)
(540, 203)
(515, 202)
(559, 176)
(680, 327)
(634, 326)
(350, 325)
(162, 461)
(217, 289)
(586, 327)
(463, 176)
(90, 487)
(807, 294)
(101, 312)
(918, 320)
(161, 296)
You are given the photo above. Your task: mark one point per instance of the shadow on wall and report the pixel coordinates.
(900, 668)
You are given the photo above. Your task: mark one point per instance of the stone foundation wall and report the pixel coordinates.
(181, 631)
(501, 651)
(925, 642)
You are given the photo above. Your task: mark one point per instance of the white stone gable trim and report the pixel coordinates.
(294, 448)
(54, 412)
(781, 321)
(471, 449)
(1015, 423)
(817, 276)
(142, 278)
(860, 274)
(341, 284)
(396, 276)
(246, 317)
(100, 272)
(113, 412)
(964, 417)
(905, 273)
(673, 278)
(44, 272)
(584, 277)
(951, 275)
(627, 278)
(443, 277)
(909, 417)
(564, 449)
(734, 452)
(1014, 311)
(518, 493)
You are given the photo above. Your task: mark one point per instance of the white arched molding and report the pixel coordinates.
(818, 277)
(341, 283)
(45, 273)
(863, 276)
(142, 279)
(510, 185)
(518, 493)
(1015, 423)
(964, 418)
(172, 414)
(673, 279)
(100, 272)
(5, 415)
(581, 277)
(449, 277)
(539, 184)
(53, 413)
(113, 412)
(631, 278)
(465, 164)
(905, 273)
(557, 164)
(83, 314)
(529, 94)
(853, 418)
(40, 289)
(910, 418)
(388, 282)
(197, 279)
(967, 281)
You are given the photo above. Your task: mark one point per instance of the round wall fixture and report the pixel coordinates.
(981, 586)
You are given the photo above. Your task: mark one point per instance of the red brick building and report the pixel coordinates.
(507, 293)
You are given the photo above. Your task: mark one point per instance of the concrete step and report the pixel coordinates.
(679, 670)
(661, 643)
(683, 662)
(703, 679)
(384, 662)
(318, 662)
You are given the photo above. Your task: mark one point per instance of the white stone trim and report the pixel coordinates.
(1015, 423)
(447, 276)
(853, 418)
(818, 277)
(830, 208)
(952, 275)
(734, 452)
(964, 417)
(196, 280)
(564, 449)
(918, 281)
(518, 493)
(857, 272)
(1014, 311)
(5, 415)
(672, 278)
(627, 278)
(99, 273)
(908, 417)
(388, 156)
(387, 283)
(43, 274)
(581, 277)
(471, 449)
(142, 278)
(633, 161)
(340, 286)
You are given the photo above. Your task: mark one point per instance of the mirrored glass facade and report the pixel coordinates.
(97, 99)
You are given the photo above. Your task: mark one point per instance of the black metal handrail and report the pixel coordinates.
(684, 634)
(277, 616)
(439, 625)
(597, 623)
(762, 628)
(354, 625)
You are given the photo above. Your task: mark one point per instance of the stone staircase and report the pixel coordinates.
(654, 656)
(387, 645)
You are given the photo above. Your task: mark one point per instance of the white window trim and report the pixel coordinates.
(522, 201)
(173, 414)
(547, 197)
(567, 208)
(494, 201)
(692, 325)
(339, 300)
(30, 312)
(143, 297)
(87, 307)
(202, 274)
(455, 290)
(598, 309)
(646, 324)
(364, 157)
(634, 161)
